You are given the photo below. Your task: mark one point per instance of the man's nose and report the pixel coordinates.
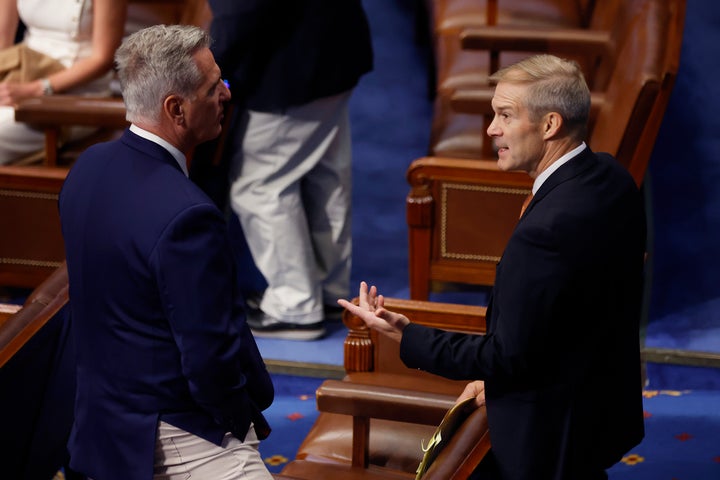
(492, 129)
(225, 94)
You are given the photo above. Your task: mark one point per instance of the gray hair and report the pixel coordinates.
(156, 62)
(554, 85)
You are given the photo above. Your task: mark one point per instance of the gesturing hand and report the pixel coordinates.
(371, 310)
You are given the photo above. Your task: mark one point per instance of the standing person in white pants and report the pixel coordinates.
(290, 150)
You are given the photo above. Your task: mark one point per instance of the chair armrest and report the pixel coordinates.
(56, 111)
(44, 302)
(467, 445)
(494, 38)
(387, 403)
(463, 170)
(451, 316)
(478, 101)
(361, 344)
(363, 402)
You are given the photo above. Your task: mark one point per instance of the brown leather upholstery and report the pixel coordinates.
(462, 133)
(31, 247)
(646, 41)
(44, 302)
(373, 363)
(457, 67)
(461, 212)
(457, 460)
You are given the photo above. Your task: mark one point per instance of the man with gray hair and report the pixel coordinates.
(559, 366)
(170, 383)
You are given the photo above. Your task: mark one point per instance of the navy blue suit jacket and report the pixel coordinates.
(159, 326)
(282, 53)
(561, 357)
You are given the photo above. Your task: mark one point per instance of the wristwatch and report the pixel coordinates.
(46, 86)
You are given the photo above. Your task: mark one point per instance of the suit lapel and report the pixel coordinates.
(571, 169)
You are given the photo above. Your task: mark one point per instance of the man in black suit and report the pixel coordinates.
(292, 65)
(559, 366)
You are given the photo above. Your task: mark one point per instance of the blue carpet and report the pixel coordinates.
(291, 416)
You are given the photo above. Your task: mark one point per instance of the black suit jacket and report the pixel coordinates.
(281, 53)
(560, 359)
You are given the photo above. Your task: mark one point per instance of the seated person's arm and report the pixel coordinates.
(8, 22)
(108, 28)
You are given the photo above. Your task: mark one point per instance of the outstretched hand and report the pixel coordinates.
(371, 310)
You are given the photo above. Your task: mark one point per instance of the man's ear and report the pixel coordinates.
(173, 108)
(551, 123)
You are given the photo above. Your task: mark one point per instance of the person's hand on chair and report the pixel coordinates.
(474, 390)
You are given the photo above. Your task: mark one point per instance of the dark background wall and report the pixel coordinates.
(684, 185)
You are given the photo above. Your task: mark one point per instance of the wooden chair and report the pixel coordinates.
(461, 212)
(457, 460)
(439, 23)
(450, 18)
(460, 215)
(32, 245)
(390, 440)
(478, 51)
(54, 112)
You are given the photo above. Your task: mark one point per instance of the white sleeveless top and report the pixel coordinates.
(62, 29)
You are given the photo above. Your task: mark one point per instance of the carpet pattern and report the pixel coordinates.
(681, 441)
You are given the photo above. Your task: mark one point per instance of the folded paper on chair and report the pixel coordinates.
(444, 432)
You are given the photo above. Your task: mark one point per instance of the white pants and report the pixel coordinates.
(291, 188)
(180, 455)
(18, 139)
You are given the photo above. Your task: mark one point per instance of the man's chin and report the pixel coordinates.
(214, 134)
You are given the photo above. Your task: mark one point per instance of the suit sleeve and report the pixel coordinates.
(524, 343)
(196, 279)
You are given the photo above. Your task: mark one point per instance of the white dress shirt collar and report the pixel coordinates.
(177, 154)
(540, 179)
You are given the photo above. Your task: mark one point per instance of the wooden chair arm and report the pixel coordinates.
(45, 301)
(360, 348)
(564, 41)
(382, 402)
(363, 403)
(464, 171)
(56, 111)
(478, 101)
